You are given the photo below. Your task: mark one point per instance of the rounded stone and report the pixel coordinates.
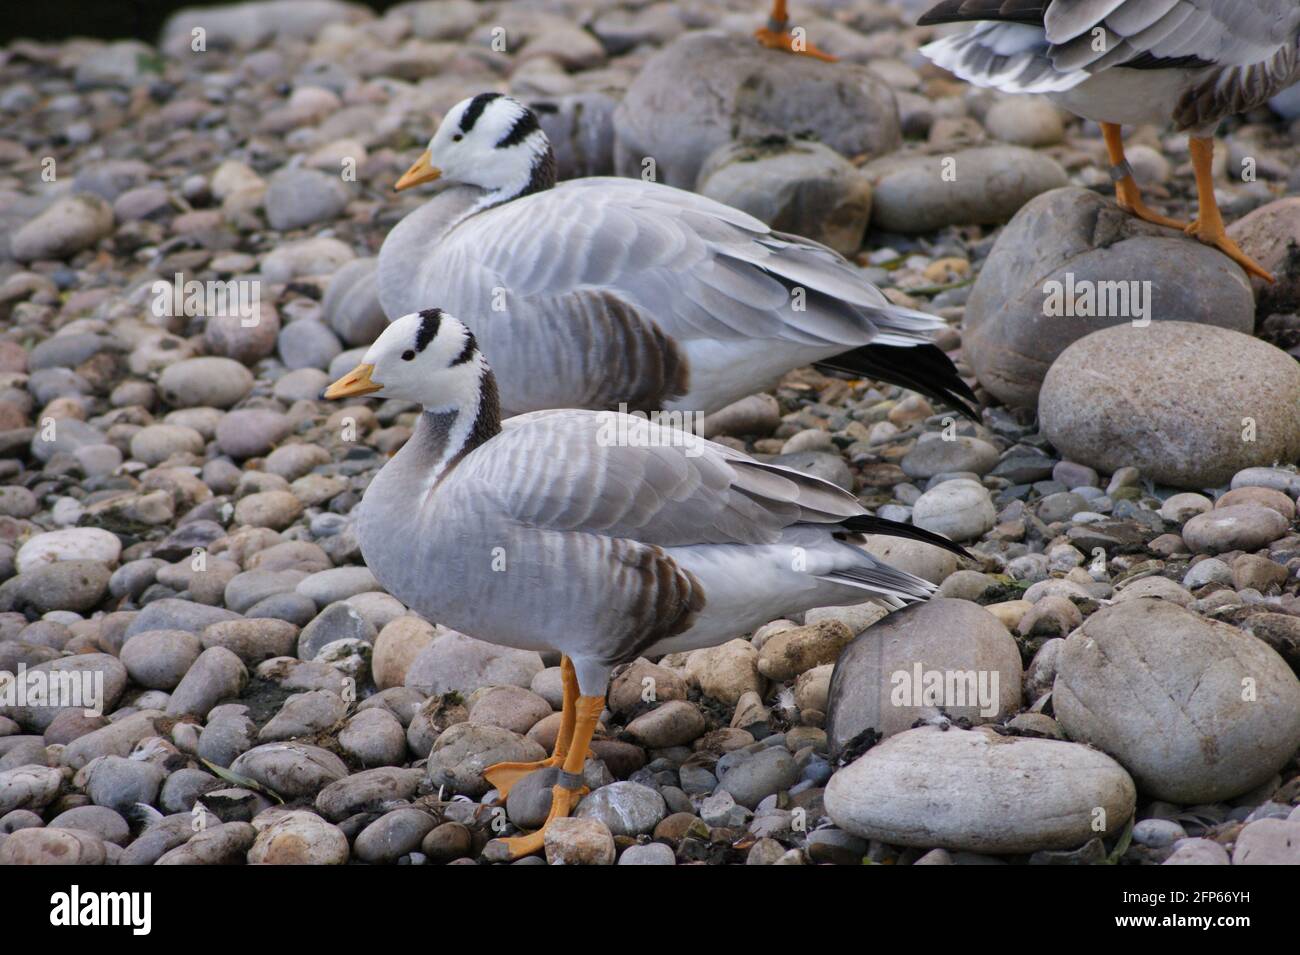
(454, 661)
(216, 675)
(1025, 121)
(1076, 240)
(626, 808)
(250, 432)
(158, 442)
(573, 841)
(1236, 527)
(211, 382)
(674, 723)
(298, 197)
(393, 835)
(29, 787)
(398, 644)
(69, 225)
(52, 847)
(914, 193)
(366, 791)
(944, 655)
(299, 838)
(273, 509)
(159, 659)
(374, 737)
(511, 707)
(1197, 710)
(1173, 399)
(961, 510)
(938, 456)
(290, 769)
(765, 773)
(706, 89)
(976, 791)
(654, 853)
(465, 750)
(76, 585)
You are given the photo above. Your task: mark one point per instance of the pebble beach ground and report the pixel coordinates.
(175, 500)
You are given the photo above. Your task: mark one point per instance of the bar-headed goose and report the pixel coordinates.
(1116, 62)
(629, 292)
(596, 534)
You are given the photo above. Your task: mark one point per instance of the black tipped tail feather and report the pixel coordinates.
(923, 368)
(869, 524)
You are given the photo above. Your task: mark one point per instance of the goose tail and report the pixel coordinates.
(870, 524)
(922, 368)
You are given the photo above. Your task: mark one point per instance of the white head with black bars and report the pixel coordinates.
(490, 141)
(428, 357)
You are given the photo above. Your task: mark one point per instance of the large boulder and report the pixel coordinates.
(1270, 235)
(706, 89)
(977, 791)
(1077, 239)
(983, 185)
(945, 655)
(1197, 710)
(1189, 405)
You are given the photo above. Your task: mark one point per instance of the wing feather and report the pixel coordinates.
(1243, 34)
(571, 471)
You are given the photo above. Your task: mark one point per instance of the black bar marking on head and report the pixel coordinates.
(466, 353)
(430, 318)
(524, 126)
(475, 109)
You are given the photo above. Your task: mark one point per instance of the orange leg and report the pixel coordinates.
(504, 775)
(777, 36)
(1126, 188)
(1208, 226)
(566, 793)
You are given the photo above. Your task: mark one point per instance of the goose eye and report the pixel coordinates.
(457, 138)
(408, 355)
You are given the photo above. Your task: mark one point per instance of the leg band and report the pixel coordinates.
(570, 781)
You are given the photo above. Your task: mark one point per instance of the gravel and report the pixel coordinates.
(177, 505)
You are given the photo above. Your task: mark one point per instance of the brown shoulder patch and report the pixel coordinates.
(667, 599)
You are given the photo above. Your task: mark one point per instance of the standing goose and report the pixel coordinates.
(630, 292)
(596, 534)
(1116, 62)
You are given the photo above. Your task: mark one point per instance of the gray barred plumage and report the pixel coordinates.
(605, 291)
(600, 535)
(1192, 62)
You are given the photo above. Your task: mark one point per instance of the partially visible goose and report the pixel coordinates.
(596, 534)
(1116, 62)
(630, 292)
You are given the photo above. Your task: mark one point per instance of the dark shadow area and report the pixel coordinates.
(107, 19)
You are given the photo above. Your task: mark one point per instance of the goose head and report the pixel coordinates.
(428, 357)
(490, 141)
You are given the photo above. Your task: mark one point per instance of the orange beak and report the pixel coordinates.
(354, 383)
(420, 172)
